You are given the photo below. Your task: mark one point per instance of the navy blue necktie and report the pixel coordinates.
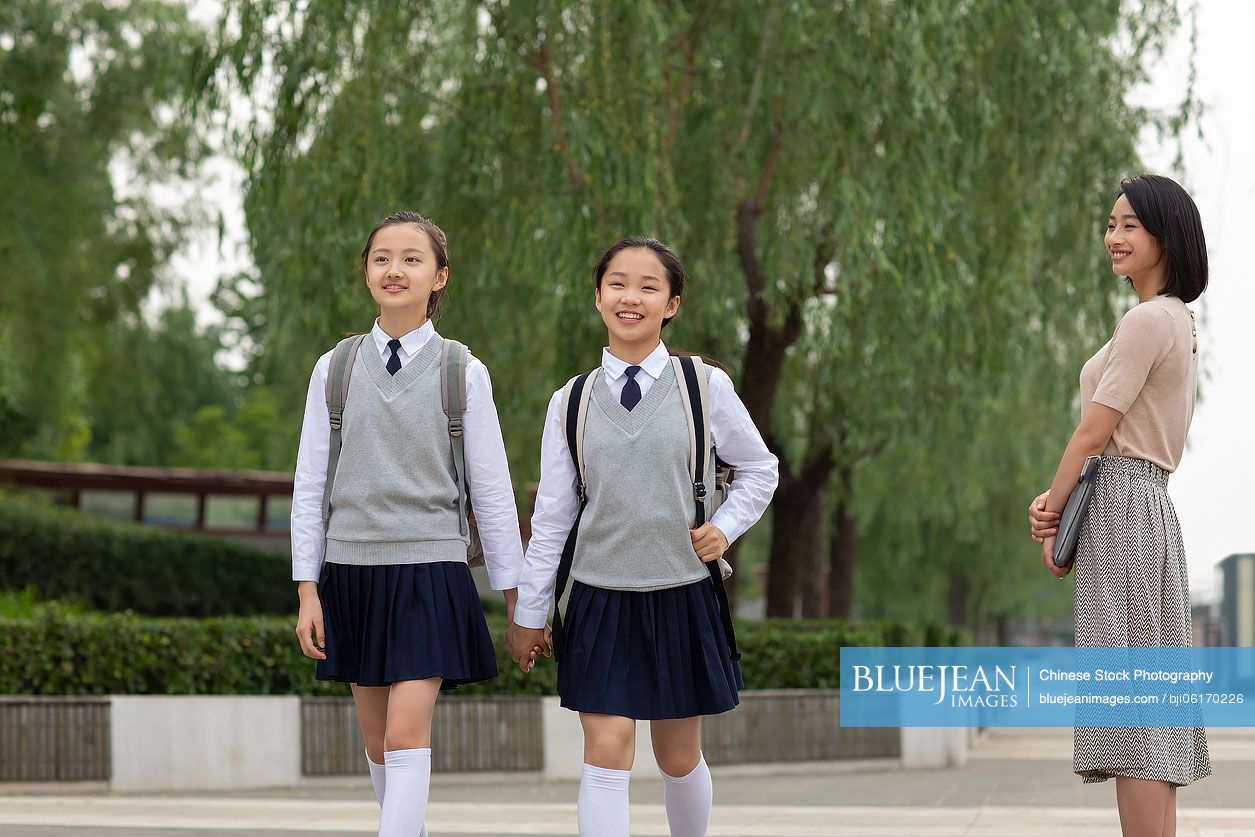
(394, 363)
(631, 395)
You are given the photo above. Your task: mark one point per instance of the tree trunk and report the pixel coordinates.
(783, 573)
(764, 363)
(769, 340)
(1002, 627)
(810, 543)
(797, 502)
(956, 600)
(841, 551)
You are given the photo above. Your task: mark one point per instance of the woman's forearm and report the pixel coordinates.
(1069, 470)
(1089, 439)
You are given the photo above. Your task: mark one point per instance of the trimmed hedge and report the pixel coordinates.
(65, 554)
(52, 650)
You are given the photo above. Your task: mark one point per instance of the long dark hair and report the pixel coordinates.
(1171, 216)
(439, 244)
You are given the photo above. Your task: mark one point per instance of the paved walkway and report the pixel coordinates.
(1017, 783)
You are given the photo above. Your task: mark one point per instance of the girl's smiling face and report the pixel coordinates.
(402, 270)
(1132, 249)
(634, 296)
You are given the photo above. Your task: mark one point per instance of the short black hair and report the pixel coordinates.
(1171, 216)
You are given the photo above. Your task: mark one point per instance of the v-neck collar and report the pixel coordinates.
(633, 420)
(393, 385)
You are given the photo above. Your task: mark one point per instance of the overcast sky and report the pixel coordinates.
(1215, 485)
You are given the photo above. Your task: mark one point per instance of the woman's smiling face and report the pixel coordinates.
(1131, 248)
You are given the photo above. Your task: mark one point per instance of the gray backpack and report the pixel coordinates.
(452, 398)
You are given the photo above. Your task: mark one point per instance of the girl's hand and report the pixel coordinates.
(525, 644)
(1041, 523)
(1048, 559)
(308, 620)
(708, 542)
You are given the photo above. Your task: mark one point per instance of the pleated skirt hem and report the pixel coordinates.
(388, 624)
(647, 655)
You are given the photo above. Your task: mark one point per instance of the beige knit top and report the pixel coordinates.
(1148, 371)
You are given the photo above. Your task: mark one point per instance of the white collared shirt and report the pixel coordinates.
(732, 431)
(487, 471)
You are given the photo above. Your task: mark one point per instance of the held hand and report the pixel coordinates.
(1041, 523)
(1048, 559)
(526, 644)
(309, 620)
(708, 542)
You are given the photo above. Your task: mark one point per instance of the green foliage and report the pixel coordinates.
(62, 553)
(55, 650)
(27, 604)
(84, 86)
(146, 380)
(249, 436)
(905, 196)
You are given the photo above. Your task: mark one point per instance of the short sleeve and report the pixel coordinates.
(1140, 343)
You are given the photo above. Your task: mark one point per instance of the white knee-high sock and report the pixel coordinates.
(602, 810)
(378, 778)
(688, 800)
(405, 803)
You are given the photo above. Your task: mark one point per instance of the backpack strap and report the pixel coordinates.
(575, 399)
(576, 396)
(690, 372)
(453, 400)
(342, 359)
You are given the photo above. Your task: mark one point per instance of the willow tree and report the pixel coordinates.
(84, 87)
(887, 210)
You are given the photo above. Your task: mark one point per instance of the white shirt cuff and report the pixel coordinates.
(728, 525)
(528, 618)
(504, 579)
(306, 573)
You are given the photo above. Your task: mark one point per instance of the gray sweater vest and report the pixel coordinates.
(395, 500)
(634, 534)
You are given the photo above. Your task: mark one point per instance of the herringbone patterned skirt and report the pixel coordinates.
(1132, 590)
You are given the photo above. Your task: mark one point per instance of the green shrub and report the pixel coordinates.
(65, 554)
(52, 649)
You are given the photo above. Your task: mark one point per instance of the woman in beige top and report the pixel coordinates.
(1137, 394)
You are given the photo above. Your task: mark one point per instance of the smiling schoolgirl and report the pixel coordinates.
(397, 614)
(645, 635)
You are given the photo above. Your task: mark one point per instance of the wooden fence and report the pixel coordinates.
(780, 725)
(54, 739)
(468, 733)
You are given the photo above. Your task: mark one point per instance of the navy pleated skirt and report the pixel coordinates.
(647, 655)
(385, 624)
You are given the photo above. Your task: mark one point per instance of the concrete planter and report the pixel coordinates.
(204, 743)
(181, 743)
